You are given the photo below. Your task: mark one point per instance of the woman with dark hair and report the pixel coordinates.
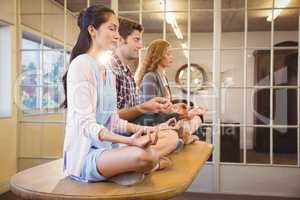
(92, 152)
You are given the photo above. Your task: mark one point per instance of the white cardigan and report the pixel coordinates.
(81, 126)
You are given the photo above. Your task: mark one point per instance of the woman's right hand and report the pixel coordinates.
(156, 104)
(143, 140)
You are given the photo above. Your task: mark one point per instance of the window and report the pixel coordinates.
(254, 73)
(42, 69)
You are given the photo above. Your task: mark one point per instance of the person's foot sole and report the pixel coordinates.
(128, 179)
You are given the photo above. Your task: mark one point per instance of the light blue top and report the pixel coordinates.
(106, 99)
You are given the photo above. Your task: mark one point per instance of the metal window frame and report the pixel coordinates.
(217, 10)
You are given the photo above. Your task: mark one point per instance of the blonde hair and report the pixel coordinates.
(154, 55)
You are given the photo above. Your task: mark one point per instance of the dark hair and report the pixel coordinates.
(127, 26)
(94, 16)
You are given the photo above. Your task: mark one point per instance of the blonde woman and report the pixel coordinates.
(152, 82)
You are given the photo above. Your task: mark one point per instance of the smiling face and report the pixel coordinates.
(106, 36)
(131, 45)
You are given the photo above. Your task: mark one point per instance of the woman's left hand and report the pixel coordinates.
(152, 131)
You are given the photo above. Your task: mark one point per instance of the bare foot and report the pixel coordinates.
(164, 163)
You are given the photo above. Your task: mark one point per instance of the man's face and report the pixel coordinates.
(131, 46)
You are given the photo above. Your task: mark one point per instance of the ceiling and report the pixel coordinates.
(202, 20)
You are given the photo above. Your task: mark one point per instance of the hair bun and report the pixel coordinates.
(80, 19)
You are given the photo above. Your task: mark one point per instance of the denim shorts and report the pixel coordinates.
(89, 172)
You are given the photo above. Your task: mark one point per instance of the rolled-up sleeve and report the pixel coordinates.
(82, 98)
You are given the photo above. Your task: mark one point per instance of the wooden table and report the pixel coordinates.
(48, 181)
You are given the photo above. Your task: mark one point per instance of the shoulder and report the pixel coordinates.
(79, 61)
(150, 76)
(115, 65)
(81, 66)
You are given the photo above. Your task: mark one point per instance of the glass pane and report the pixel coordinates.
(254, 4)
(204, 59)
(285, 146)
(204, 98)
(176, 32)
(196, 4)
(286, 28)
(202, 29)
(53, 8)
(133, 16)
(232, 29)
(258, 67)
(232, 105)
(171, 5)
(232, 68)
(53, 67)
(176, 5)
(250, 62)
(285, 67)
(76, 6)
(29, 97)
(29, 80)
(231, 144)
(153, 27)
(30, 41)
(285, 106)
(258, 145)
(178, 90)
(106, 3)
(228, 4)
(52, 97)
(123, 5)
(30, 68)
(258, 106)
(259, 29)
(286, 3)
(51, 45)
(205, 133)
(157, 5)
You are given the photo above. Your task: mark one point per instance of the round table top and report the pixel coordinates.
(48, 181)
